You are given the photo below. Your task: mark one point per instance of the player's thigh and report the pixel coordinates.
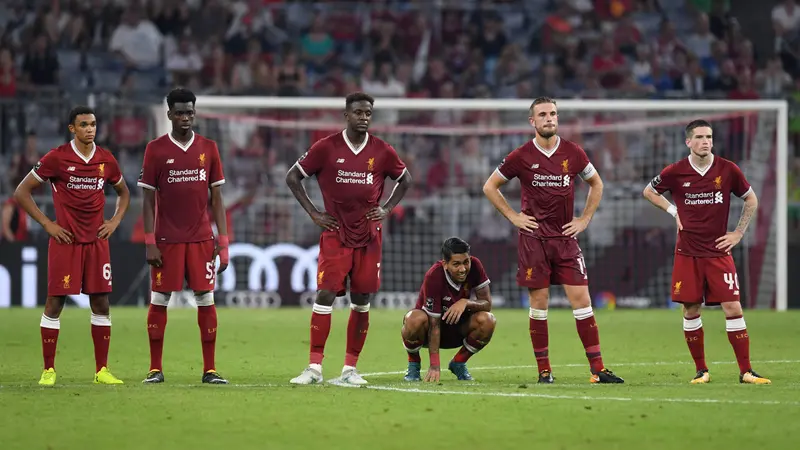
(365, 276)
(479, 321)
(97, 267)
(533, 267)
(722, 281)
(64, 269)
(335, 262)
(568, 264)
(416, 321)
(687, 280)
(169, 277)
(450, 336)
(200, 270)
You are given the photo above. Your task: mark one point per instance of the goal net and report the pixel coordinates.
(451, 147)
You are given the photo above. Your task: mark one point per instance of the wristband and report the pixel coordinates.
(223, 241)
(435, 360)
(672, 210)
(150, 239)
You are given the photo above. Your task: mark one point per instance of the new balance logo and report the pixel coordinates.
(71, 169)
(687, 184)
(535, 166)
(340, 160)
(170, 161)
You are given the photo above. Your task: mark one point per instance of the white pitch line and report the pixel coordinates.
(655, 363)
(584, 397)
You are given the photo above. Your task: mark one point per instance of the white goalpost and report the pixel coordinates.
(452, 145)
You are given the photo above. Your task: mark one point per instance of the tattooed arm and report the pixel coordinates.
(731, 238)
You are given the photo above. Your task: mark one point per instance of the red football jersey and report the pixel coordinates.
(351, 180)
(182, 175)
(548, 183)
(703, 199)
(439, 291)
(78, 183)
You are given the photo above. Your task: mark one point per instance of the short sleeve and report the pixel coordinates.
(114, 173)
(46, 168)
(662, 182)
(511, 166)
(395, 167)
(313, 160)
(739, 185)
(477, 274)
(587, 168)
(148, 177)
(433, 296)
(216, 175)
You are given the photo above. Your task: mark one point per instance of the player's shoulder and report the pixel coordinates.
(435, 273)
(103, 152)
(726, 164)
(475, 260)
(159, 143)
(203, 140)
(380, 143)
(568, 145)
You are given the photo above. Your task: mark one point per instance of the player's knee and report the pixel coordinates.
(415, 322)
(485, 323)
(538, 298)
(205, 298)
(732, 309)
(691, 310)
(159, 298)
(99, 304)
(325, 298)
(53, 306)
(360, 299)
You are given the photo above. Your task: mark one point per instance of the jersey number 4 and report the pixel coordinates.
(733, 281)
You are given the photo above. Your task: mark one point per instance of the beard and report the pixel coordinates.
(547, 133)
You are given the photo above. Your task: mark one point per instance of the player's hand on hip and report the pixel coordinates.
(727, 242)
(107, 229)
(433, 375)
(224, 258)
(575, 226)
(377, 213)
(61, 235)
(524, 222)
(153, 255)
(453, 313)
(325, 220)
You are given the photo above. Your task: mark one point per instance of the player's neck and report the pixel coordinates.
(546, 143)
(701, 162)
(83, 148)
(182, 136)
(355, 137)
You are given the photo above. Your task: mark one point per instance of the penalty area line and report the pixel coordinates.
(630, 364)
(584, 397)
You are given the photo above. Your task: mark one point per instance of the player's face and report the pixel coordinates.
(544, 119)
(458, 267)
(701, 142)
(359, 116)
(182, 116)
(84, 128)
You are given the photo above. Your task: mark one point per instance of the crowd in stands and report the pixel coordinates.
(123, 56)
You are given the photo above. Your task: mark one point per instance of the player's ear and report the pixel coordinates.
(71, 128)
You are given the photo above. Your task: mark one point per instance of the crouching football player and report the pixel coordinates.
(446, 317)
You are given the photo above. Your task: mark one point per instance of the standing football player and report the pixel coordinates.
(350, 167)
(703, 270)
(78, 257)
(179, 170)
(445, 316)
(548, 252)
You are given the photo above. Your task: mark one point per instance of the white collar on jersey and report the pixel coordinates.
(183, 147)
(450, 280)
(704, 170)
(353, 147)
(80, 155)
(548, 153)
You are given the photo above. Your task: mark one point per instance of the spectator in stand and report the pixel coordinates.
(137, 42)
(8, 74)
(40, 66)
(13, 222)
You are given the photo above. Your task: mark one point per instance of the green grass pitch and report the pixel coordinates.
(260, 350)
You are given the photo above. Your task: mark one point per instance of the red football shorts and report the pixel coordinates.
(190, 261)
(75, 268)
(451, 336)
(710, 280)
(546, 262)
(337, 262)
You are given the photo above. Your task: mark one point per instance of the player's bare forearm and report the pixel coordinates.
(491, 189)
(218, 209)
(482, 302)
(655, 198)
(434, 335)
(294, 179)
(399, 191)
(593, 198)
(24, 198)
(123, 201)
(149, 210)
(748, 211)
